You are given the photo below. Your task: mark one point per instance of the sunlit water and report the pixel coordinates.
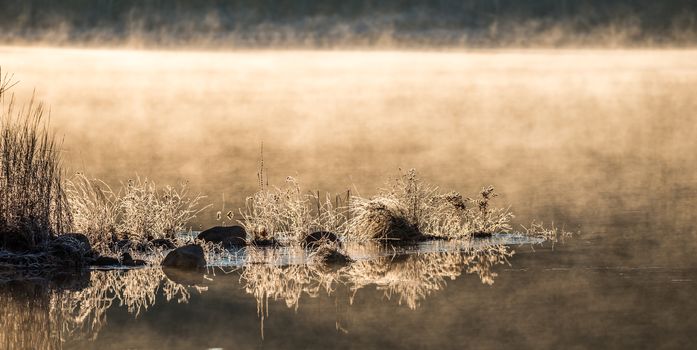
(602, 142)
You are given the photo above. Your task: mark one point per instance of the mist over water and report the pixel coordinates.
(563, 135)
(581, 114)
(598, 141)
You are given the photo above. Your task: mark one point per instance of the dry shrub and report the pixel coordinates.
(140, 211)
(289, 214)
(33, 205)
(150, 212)
(408, 208)
(95, 210)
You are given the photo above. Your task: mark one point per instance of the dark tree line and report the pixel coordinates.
(648, 19)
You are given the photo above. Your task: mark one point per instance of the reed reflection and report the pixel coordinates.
(42, 314)
(47, 315)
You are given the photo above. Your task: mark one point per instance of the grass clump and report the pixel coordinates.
(139, 212)
(153, 213)
(33, 203)
(95, 210)
(288, 214)
(408, 209)
(280, 213)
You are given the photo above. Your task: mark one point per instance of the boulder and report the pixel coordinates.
(187, 257)
(399, 229)
(105, 261)
(316, 238)
(69, 251)
(84, 241)
(228, 236)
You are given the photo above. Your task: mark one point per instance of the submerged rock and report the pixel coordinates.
(228, 236)
(187, 257)
(316, 238)
(105, 261)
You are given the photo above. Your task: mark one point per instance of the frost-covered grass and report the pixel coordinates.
(33, 204)
(413, 207)
(407, 209)
(140, 211)
(289, 214)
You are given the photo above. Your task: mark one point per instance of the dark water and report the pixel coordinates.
(583, 293)
(601, 142)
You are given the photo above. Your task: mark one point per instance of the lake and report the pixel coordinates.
(600, 142)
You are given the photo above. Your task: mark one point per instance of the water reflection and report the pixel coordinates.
(410, 279)
(84, 311)
(44, 315)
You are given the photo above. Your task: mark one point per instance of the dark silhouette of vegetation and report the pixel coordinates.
(33, 205)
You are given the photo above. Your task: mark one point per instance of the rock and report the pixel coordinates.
(127, 260)
(86, 246)
(69, 250)
(187, 257)
(228, 236)
(105, 261)
(435, 238)
(163, 243)
(316, 238)
(399, 229)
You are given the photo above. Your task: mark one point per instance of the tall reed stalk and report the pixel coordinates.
(33, 204)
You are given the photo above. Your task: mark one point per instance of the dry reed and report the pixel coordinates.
(33, 203)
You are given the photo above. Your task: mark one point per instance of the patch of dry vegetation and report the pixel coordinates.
(33, 204)
(407, 209)
(139, 212)
(36, 204)
(289, 213)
